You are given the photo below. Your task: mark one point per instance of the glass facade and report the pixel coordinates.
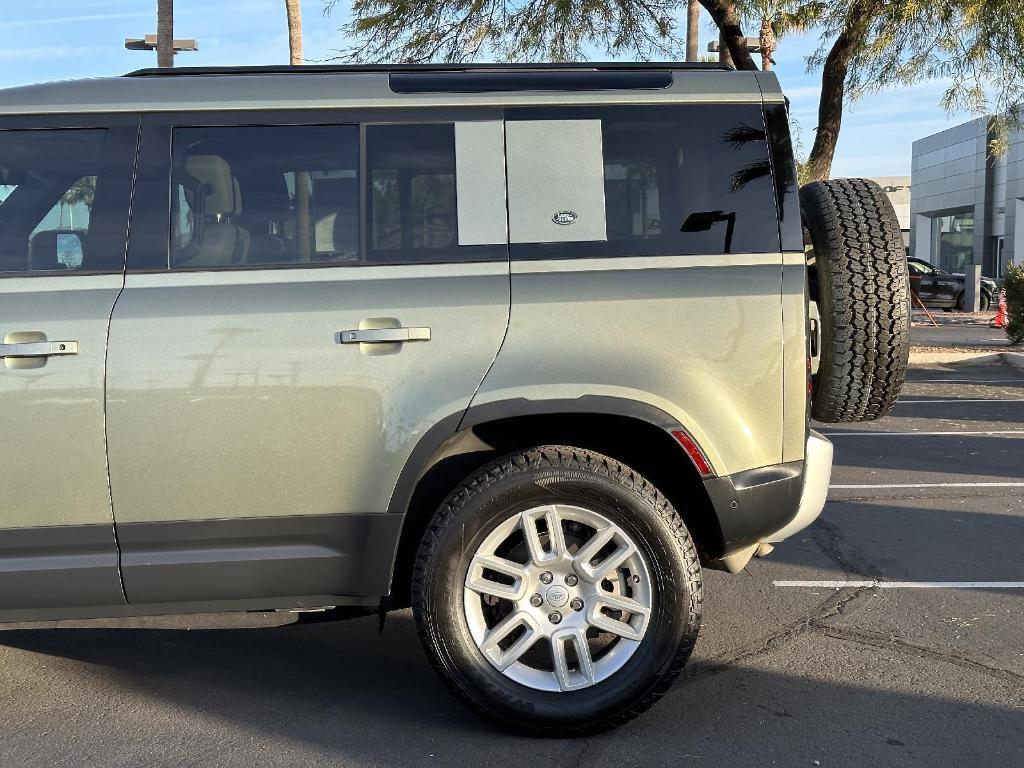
(953, 241)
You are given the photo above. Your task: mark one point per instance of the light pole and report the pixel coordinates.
(163, 41)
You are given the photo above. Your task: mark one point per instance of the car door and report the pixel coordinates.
(327, 293)
(64, 195)
(931, 290)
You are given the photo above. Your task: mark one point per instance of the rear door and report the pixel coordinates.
(64, 194)
(327, 292)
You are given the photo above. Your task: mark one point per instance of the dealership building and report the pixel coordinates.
(967, 205)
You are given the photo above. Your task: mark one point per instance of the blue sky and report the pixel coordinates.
(62, 39)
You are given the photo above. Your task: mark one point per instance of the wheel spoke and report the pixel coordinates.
(583, 675)
(633, 629)
(556, 538)
(482, 585)
(503, 659)
(595, 572)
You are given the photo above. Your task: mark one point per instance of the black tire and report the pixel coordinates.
(984, 302)
(544, 475)
(863, 296)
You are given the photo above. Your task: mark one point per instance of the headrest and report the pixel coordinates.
(213, 172)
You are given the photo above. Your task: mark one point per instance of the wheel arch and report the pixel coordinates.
(637, 434)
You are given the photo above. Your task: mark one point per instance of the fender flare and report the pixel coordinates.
(433, 441)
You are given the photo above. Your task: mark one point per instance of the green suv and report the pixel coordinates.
(522, 347)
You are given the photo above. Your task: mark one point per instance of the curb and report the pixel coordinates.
(1015, 359)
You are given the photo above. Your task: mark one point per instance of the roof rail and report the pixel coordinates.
(314, 69)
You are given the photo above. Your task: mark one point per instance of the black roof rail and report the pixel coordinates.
(314, 69)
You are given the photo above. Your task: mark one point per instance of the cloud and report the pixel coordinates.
(73, 19)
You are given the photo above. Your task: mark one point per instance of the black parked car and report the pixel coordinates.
(939, 289)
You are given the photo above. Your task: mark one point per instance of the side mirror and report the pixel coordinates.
(70, 251)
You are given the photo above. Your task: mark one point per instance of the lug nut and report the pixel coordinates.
(572, 580)
(536, 600)
(576, 604)
(555, 617)
(546, 577)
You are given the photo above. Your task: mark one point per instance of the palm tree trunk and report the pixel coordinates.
(766, 42)
(165, 33)
(692, 30)
(294, 31)
(302, 177)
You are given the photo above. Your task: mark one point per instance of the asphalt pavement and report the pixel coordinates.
(891, 632)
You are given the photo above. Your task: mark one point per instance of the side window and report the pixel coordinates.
(412, 200)
(264, 195)
(49, 182)
(692, 179)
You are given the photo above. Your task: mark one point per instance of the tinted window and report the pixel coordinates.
(411, 196)
(678, 180)
(264, 195)
(49, 184)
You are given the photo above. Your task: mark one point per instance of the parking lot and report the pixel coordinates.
(891, 632)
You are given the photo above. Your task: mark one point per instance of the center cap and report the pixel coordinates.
(557, 596)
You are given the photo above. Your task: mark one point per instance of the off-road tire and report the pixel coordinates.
(518, 481)
(863, 297)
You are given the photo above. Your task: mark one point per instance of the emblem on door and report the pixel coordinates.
(565, 217)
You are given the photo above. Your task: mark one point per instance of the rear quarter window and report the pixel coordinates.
(689, 179)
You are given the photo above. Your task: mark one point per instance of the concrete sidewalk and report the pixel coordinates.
(960, 336)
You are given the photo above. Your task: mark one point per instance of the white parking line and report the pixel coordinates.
(962, 400)
(876, 584)
(925, 485)
(926, 434)
(964, 381)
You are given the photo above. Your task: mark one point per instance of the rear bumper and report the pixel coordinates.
(817, 475)
(769, 504)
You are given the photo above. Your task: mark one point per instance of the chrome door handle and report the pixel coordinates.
(382, 335)
(39, 349)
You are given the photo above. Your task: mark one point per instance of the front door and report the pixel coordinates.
(64, 196)
(322, 299)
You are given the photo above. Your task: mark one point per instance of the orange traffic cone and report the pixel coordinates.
(1000, 318)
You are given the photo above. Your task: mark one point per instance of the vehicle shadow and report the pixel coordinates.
(339, 693)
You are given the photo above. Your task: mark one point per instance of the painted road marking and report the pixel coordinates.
(926, 434)
(961, 400)
(876, 584)
(964, 381)
(925, 485)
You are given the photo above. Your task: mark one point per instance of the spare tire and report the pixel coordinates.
(859, 274)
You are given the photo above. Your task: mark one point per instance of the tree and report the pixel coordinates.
(165, 33)
(868, 45)
(977, 46)
(294, 11)
(775, 18)
(692, 30)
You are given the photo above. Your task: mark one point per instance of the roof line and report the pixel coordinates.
(313, 69)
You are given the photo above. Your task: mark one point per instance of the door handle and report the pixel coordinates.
(381, 335)
(39, 349)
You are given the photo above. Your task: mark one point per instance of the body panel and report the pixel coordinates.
(252, 410)
(699, 338)
(56, 528)
(260, 413)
